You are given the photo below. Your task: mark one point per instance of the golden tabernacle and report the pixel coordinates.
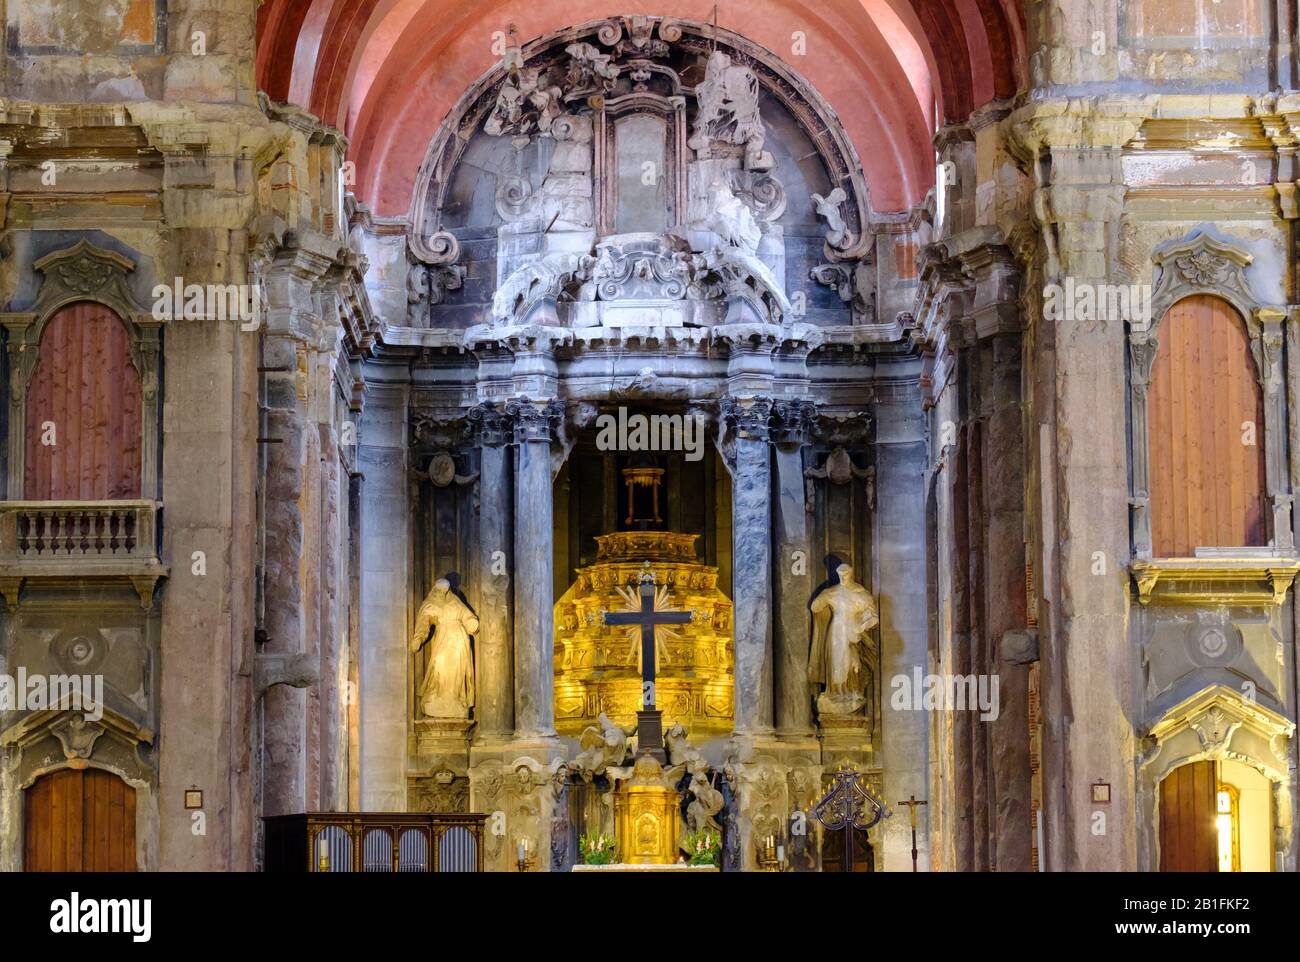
(646, 811)
(598, 667)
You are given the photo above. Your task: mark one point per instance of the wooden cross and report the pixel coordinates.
(911, 803)
(647, 618)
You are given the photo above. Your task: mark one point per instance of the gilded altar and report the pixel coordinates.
(597, 667)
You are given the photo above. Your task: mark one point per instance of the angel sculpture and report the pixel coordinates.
(828, 208)
(603, 747)
(680, 750)
(842, 616)
(705, 803)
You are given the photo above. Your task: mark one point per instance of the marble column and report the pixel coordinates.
(792, 582)
(494, 671)
(751, 514)
(534, 533)
(1005, 602)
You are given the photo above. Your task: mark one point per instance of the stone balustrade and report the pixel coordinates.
(113, 541)
(74, 530)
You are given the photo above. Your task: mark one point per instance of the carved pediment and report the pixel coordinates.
(1202, 263)
(1219, 722)
(85, 272)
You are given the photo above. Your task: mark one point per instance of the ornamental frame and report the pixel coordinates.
(77, 274)
(1205, 263)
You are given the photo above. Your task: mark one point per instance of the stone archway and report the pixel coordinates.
(1217, 724)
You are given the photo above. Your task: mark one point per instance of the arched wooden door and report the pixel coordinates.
(83, 410)
(1188, 834)
(1205, 423)
(79, 821)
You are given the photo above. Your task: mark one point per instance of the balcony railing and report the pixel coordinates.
(57, 540)
(52, 530)
(374, 842)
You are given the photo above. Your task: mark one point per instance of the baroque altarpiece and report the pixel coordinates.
(655, 221)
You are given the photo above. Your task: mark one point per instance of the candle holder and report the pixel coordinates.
(525, 855)
(771, 855)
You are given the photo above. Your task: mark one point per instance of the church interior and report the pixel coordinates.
(674, 436)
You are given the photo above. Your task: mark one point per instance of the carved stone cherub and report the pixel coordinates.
(680, 750)
(828, 208)
(706, 802)
(838, 468)
(603, 747)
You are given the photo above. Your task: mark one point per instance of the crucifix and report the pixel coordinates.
(649, 720)
(911, 803)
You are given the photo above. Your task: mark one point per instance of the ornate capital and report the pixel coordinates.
(491, 424)
(534, 421)
(749, 418)
(792, 421)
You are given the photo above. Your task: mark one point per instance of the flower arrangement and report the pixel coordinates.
(703, 848)
(596, 849)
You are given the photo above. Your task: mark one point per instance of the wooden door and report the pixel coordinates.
(1188, 832)
(83, 410)
(1205, 424)
(79, 821)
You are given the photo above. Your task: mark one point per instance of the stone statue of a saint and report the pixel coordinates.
(448, 687)
(842, 616)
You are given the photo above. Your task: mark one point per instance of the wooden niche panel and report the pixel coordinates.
(87, 388)
(1207, 482)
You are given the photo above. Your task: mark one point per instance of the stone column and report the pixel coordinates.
(1088, 689)
(385, 586)
(534, 425)
(902, 742)
(209, 462)
(1005, 601)
(288, 494)
(962, 748)
(494, 671)
(747, 422)
(794, 565)
(208, 473)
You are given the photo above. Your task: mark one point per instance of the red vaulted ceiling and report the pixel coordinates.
(387, 72)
